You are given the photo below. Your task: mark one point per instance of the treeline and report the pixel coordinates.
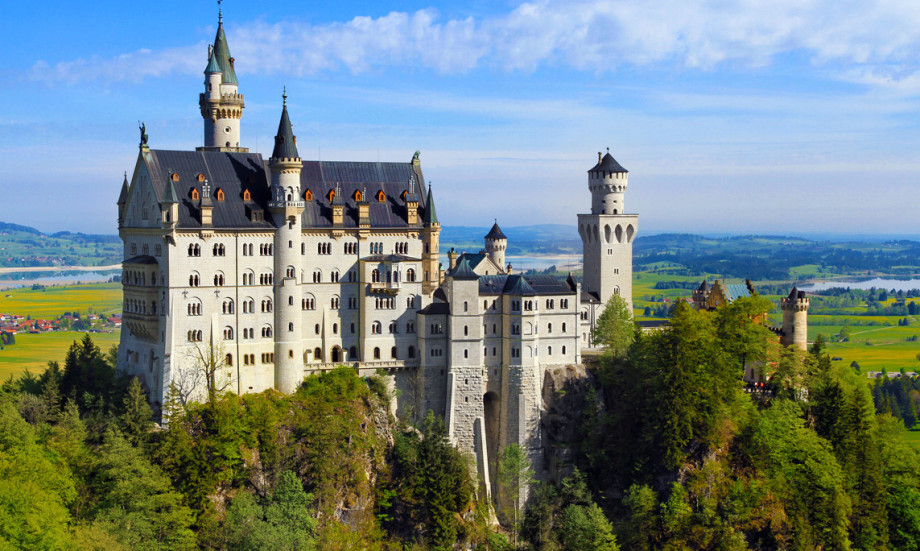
(682, 457)
(837, 299)
(898, 397)
(82, 466)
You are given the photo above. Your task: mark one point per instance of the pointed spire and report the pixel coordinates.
(607, 164)
(213, 66)
(170, 196)
(495, 232)
(222, 53)
(285, 141)
(431, 215)
(123, 196)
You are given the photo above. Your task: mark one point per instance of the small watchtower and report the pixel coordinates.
(496, 244)
(795, 319)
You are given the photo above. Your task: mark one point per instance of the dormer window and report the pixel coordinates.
(331, 194)
(200, 177)
(358, 196)
(195, 195)
(381, 196)
(246, 195)
(175, 176)
(308, 196)
(220, 194)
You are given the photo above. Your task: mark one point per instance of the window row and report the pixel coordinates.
(135, 306)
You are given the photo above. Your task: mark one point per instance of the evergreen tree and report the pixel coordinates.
(615, 328)
(137, 417)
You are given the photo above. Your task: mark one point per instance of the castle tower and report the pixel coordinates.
(221, 104)
(496, 243)
(431, 233)
(286, 207)
(607, 233)
(795, 319)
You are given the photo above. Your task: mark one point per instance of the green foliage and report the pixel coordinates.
(585, 528)
(615, 328)
(514, 476)
(285, 522)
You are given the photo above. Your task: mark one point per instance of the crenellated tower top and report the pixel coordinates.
(607, 181)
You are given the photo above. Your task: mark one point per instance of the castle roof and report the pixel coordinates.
(430, 215)
(463, 270)
(608, 164)
(237, 173)
(704, 286)
(735, 291)
(222, 54)
(213, 65)
(285, 141)
(796, 294)
(495, 232)
(123, 196)
(518, 284)
(170, 195)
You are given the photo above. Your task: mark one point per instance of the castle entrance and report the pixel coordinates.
(336, 354)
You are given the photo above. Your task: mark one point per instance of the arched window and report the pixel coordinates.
(549, 328)
(228, 359)
(318, 354)
(195, 194)
(335, 329)
(563, 328)
(411, 351)
(353, 352)
(334, 303)
(375, 276)
(381, 196)
(227, 307)
(228, 333)
(219, 194)
(376, 328)
(466, 330)
(563, 350)
(291, 327)
(394, 353)
(410, 275)
(246, 195)
(466, 306)
(376, 353)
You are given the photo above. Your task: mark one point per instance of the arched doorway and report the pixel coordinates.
(492, 409)
(336, 354)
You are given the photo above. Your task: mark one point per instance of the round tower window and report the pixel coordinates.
(227, 129)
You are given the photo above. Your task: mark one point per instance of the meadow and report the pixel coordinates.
(32, 352)
(52, 302)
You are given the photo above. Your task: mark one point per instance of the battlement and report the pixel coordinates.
(795, 304)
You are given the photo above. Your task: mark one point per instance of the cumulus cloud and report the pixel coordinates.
(875, 42)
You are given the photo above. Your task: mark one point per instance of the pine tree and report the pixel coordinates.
(137, 418)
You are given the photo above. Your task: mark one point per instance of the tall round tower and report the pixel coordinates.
(221, 103)
(496, 244)
(286, 207)
(795, 319)
(607, 233)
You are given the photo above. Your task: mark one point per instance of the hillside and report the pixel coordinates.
(23, 246)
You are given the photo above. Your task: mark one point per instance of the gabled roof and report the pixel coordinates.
(430, 215)
(222, 53)
(608, 164)
(736, 290)
(285, 141)
(517, 285)
(704, 286)
(495, 232)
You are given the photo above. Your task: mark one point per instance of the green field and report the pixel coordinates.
(913, 436)
(34, 351)
(52, 302)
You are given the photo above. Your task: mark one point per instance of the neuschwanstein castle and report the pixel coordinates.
(269, 270)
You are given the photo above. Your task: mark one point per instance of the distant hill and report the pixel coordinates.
(24, 246)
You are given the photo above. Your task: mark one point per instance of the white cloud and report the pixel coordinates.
(878, 40)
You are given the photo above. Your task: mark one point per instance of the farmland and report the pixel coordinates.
(51, 302)
(33, 351)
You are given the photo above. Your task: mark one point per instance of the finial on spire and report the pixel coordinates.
(284, 96)
(220, 12)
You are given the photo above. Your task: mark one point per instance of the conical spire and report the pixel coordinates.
(123, 196)
(213, 66)
(607, 164)
(495, 232)
(431, 215)
(170, 195)
(222, 54)
(285, 141)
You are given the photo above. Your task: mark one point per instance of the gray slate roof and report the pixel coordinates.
(236, 172)
(529, 285)
(463, 270)
(608, 164)
(285, 141)
(495, 233)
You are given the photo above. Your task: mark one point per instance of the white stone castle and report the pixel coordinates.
(268, 271)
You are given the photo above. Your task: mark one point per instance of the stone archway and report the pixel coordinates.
(336, 354)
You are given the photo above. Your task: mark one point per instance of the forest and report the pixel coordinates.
(671, 450)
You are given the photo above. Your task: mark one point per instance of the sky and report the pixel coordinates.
(752, 116)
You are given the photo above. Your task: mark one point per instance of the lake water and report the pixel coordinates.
(27, 279)
(563, 263)
(878, 283)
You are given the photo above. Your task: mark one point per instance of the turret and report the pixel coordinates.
(221, 104)
(286, 207)
(122, 200)
(170, 206)
(607, 182)
(496, 243)
(431, 232)
(795, 319)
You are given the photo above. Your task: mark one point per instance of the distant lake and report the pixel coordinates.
(562, 262)
(51, 277)
(878, 283)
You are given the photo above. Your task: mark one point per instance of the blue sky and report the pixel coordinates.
(779, 116)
